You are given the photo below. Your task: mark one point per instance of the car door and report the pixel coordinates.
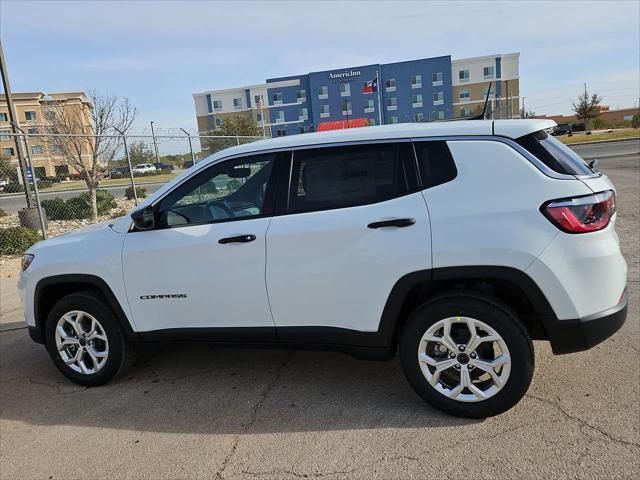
(202, 266)
(355, 223)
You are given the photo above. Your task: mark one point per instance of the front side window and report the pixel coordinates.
(554, 154)
(231, 190)
(340, 177)
(435, 163)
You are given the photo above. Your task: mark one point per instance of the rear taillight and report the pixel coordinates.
(581, 214)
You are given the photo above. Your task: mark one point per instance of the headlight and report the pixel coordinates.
(27, 258)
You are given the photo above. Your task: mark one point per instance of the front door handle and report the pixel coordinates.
(397, 222)
(238, 239)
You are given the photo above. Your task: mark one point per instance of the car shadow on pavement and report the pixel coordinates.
(206, 389)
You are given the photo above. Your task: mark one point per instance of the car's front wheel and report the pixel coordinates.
(467, 355)
(85, 341)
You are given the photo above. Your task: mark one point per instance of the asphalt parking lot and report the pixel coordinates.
(201, 412)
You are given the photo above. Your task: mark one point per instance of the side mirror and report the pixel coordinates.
(143, 218)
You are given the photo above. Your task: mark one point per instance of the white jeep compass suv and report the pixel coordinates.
(454, 243)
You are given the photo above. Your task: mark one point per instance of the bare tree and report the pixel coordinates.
(100, 125)
(587, 107)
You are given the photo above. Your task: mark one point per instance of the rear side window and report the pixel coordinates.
(435, 163)
(554, 154)
(338, 177)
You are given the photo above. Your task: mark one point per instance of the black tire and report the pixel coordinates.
(120, 354)
(499, 317)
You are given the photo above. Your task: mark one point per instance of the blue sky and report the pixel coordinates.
(158, 53)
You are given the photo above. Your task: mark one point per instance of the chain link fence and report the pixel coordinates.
(54, 193)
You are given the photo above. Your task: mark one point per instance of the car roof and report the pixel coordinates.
(506, 128)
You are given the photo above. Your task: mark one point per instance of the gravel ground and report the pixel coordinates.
(198, 412)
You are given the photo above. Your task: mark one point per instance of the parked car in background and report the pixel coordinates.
(562, 129)
(370, 241)
(164, 167)
(119, 172)
(144, 168)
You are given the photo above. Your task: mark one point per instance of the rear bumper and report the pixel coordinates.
(568, 336)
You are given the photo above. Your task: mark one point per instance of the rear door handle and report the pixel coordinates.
(397, 222)
(238, 239)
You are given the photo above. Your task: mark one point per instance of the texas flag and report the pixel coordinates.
(370, 86)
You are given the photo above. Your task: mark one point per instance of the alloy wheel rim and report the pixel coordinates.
(81, 342)
(464, 359)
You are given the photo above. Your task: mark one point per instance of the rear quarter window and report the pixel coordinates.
(554, 154)
(435, 163)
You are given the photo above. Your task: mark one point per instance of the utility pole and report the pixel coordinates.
(13, 118)
(155, 143)
(193, 158)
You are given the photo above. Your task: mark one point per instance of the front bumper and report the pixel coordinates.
(569, 336)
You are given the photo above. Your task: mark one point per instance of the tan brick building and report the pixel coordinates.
(31, 111)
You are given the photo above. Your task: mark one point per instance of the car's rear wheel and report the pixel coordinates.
(467, 355)
(85, 341)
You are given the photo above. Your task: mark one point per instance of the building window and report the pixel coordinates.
(438, 98)
(260, 119)
(489, 72)
(345, 89)
(346, 108)
(324, 111)
(392, 103)
(217, 105)
(237, 103)
(257, 101)
(463, 75)
(323, 92)
(465, 112)
(418, 117)
(7, 152)
(56, 149)
(218, 121)
(301, 95)
(486, 91)
(32, 131)
(304, 128)
(4, 135)
(29, 116)
(281, 132)
(3, 117)
(368, 106)
(437, 115)
(465, 96)
(393, 119)
(280, 116)
(416, 100)
(372, 122)
(303, 113)
(436, 79)
(416, 81)
(36, 149)
(277, 98)
(390, 85)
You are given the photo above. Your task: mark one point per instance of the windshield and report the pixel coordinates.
(554, 154)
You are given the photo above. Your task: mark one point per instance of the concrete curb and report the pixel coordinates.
(603, 141)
